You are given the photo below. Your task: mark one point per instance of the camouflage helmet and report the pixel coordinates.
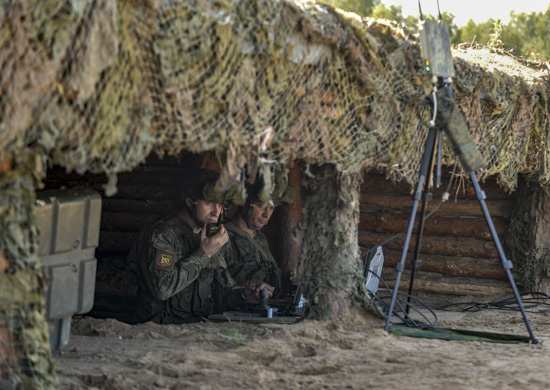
(202, 185)
(280, 194)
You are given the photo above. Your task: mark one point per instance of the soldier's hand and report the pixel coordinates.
(252, 291)
(213, 244)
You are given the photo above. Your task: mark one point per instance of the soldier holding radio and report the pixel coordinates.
(181, 274)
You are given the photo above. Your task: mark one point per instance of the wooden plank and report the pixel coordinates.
(291, 216)
(463, 267)
(404, 203)
(434, 245)
(437, 225)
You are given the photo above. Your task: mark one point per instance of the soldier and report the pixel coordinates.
(180, 273)
(248, 258)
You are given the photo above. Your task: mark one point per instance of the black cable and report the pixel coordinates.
(404, 306)
(507, 302)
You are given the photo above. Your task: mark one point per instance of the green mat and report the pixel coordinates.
(457, 334)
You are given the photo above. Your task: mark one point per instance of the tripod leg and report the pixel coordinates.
(425, 165)
(507, 264)
(426, 197)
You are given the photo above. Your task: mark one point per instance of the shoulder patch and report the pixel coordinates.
(164, 260)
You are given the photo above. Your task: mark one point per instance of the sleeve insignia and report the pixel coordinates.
(164, 260)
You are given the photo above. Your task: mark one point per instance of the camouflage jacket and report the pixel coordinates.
(177, 281)
(247, 263)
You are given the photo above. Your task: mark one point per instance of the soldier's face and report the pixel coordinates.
(260, 213)
(208, 212)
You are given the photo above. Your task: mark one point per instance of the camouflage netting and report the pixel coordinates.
(99, 85)
(96, 86)
(25, 358)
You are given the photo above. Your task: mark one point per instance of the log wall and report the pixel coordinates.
(144, 195)
(457, 252)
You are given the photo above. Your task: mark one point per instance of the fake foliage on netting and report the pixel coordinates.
(25, 357)
(269, 82)
(99, 85)
(74, 83)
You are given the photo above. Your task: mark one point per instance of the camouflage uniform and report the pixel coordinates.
(246, 263)
(248, 258)
(177, 281)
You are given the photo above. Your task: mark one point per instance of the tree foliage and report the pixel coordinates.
(525, 34)
(528, 34)
(360, 7)
(411, 22)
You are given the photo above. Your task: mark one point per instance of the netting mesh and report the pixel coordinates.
(97, 85)
(25, 358)
(505, 103)
(270, 82)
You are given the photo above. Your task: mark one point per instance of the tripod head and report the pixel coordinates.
(438, 62)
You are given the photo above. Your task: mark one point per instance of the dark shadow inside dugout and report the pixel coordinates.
(457, 252)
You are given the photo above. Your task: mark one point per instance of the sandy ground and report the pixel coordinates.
(355, 354)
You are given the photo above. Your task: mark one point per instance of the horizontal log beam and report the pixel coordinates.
(377, 183)
(159, 193)
(446, 246)
(138, 206)
(116, 242)
(434, 284)
(129, 222)
(437, 225)
(154, 176)
(462, 267)
(404, 203)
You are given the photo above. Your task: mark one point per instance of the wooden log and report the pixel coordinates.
(116, 242)
(153, 176)
(138, 206)
(437, 225)
(464, 267)
(404, 203)
(291, 216)
(377, 183)
(434, 284)
(147, 192)
(60, 175)
(448, 245)
(129, 222)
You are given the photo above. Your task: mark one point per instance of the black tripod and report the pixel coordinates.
(426, 169)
